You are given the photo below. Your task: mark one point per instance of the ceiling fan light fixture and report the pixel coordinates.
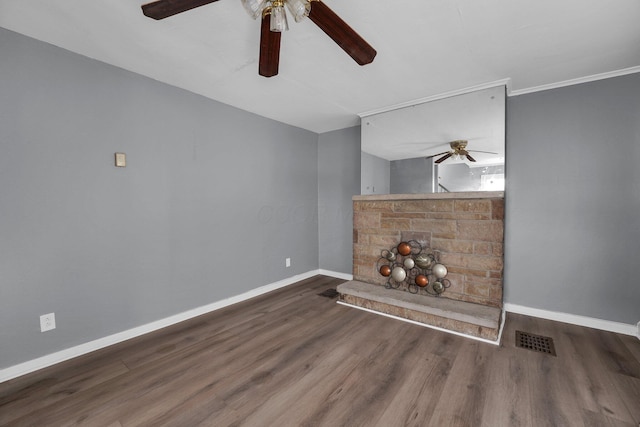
(278, 17)
(299, 8)
(254, 7)
(270, 30)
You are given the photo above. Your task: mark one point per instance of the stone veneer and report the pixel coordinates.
(465, 229)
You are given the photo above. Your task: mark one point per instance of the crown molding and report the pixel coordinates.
(503, 82)
(577, 81)
(507, 82)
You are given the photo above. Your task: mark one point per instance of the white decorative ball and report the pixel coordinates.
(409, 263)
(439, 271)
(398, 274)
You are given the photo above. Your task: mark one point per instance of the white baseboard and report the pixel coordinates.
(69, 353)
(574, 319)
(335, 274)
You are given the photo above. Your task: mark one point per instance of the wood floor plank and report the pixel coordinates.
(293, 358)
(205, 369)
(614, 355)
(508, 379)
(593, 387)
(370, 388)
(51, 392)
(291, 363)
(284, 406)
(629, 390)
(595, 419)
(463, 391)
(633, 345)
(418, 396)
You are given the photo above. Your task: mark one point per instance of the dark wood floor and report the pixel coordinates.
(293, 358)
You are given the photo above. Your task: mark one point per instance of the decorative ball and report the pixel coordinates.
(385, 270)
(421, 280)
(409, 263)
(398, 274)
(438, 287)
(391, 256)
(439, 271)
(404, 248)
(423, 261)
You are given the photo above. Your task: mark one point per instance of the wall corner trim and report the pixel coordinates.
(574, 319)
(69, 353)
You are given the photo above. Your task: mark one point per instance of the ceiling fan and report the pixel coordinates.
(274, 22)
(458, 149)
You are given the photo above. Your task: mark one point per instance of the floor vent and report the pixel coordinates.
(535, 342)
(329, 293)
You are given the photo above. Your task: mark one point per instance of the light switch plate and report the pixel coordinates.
(121, 160)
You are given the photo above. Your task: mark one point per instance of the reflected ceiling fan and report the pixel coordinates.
(274, 22)
(458, 149)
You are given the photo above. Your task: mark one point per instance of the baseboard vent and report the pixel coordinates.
(536, 343)
(329, 293)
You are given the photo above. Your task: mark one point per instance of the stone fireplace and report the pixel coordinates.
(465, 230)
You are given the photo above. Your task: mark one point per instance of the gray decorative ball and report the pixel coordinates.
(423, 261)
(438, 287)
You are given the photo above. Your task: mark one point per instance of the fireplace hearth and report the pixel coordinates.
(462, 232)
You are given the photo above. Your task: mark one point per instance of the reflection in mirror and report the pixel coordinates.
(451, 144)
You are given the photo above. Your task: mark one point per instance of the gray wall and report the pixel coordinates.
(572, 236)
(375, 174)
(212, 201)
(462, 177)
(411, 176)
(338, 182)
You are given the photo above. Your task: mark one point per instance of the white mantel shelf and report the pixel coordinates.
(432, 196)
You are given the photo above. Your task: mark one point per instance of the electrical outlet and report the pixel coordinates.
(287, 262)
(47, 322)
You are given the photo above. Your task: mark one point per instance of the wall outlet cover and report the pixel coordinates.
(47, 322)
(287, 262)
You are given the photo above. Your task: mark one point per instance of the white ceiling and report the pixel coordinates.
(425, 48)
(427, 129)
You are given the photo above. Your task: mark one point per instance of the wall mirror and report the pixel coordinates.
(398, 145)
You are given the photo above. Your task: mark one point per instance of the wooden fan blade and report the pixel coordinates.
(487, 152)
(341, 33)
(164, 8)
(471, 159)
(436, 155)
(442, 159)
(269, 49)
